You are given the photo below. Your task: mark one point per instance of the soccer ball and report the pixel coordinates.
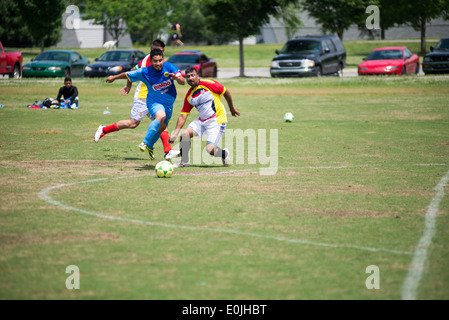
(164, 169)
(289, 117)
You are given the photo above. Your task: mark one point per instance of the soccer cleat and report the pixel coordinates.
(227, 159)
(172, 154)
(181, 164)
(99, 134)
(143, 147)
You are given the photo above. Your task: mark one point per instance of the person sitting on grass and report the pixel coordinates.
(70, 94)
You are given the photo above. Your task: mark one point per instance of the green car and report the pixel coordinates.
(56, 63)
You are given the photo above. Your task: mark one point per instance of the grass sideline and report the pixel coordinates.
(357, 170)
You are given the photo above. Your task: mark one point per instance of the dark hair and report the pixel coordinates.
(191, 69)
(158, 43)
(156, 52)
(67, 79)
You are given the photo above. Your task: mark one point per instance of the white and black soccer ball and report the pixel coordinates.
(289, 117)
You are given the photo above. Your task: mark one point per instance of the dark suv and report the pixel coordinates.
(309, 56)
(438, 60)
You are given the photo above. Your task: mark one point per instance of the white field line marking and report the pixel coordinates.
(44, 195)
(416, 269)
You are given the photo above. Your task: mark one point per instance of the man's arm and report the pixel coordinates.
(74, 95)
(111, 79)
(127, 88)
(228, 98)
(181, 121)
(59, 97)
(180, 79)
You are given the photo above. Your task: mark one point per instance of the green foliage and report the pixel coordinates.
(43, 20)
(13, 32)
(336, 16)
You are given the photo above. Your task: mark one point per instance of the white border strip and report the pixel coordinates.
(44, 195)
(416, 269)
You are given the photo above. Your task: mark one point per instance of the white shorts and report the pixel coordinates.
(211, 128)
(140, 110)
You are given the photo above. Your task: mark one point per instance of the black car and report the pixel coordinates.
(437, 61)
(114, 62)
(310, 56)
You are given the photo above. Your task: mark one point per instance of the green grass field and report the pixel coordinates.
(356, 173)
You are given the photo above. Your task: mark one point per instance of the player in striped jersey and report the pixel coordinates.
(205, 96)
(139, 110)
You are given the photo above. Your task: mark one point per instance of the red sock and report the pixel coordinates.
(111, 128)
(164, 138)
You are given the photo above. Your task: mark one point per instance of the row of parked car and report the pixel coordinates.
(56, 63)
(305, 56)
(316, 56)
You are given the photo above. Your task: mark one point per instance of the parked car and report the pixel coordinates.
(10, 62)
(310, 56)
(206, 66)
(56, 63)
(114, 62)
(438, 60)
(390, 60)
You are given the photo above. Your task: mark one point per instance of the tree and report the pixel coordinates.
(420, 12)
(336, 16)
(111, 14)
(241, 18)
(13, 32)
(290, 16)
(43, 19)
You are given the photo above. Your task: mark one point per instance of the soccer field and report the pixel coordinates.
(349, 201)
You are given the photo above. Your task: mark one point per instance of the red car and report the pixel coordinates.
(207, 67)
(390, 60)
(10, 63)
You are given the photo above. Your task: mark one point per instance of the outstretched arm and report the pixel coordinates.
(111, 79)
(181, 121)
(228, 98)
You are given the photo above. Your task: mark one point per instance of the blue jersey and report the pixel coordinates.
(161, 89)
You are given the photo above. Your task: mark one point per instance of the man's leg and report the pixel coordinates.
(214, 133)
(153, 132)
(122, 124)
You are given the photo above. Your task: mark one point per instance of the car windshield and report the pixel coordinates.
(184, 58)
(307, 46)
(54, 56)
(115, 56)
(443, 45)
(385, 55)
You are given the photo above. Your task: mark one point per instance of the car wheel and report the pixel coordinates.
(67, 72)
(215, 72)
(417, 69)
(15, 72)
(200, 73)
(404, 70)
(319, 71)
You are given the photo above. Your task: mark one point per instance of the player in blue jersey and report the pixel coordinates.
(160, 80)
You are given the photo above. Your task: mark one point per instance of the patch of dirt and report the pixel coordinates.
(53, 237)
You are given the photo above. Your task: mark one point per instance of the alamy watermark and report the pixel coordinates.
(373, 20)
(373, 281)
(72, 281)
(245, 147)
(73, 19)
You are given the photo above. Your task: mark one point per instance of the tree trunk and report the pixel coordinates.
(242, 60)
(423, 36)
(42, 44)
(382, 34)
(340, 35)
